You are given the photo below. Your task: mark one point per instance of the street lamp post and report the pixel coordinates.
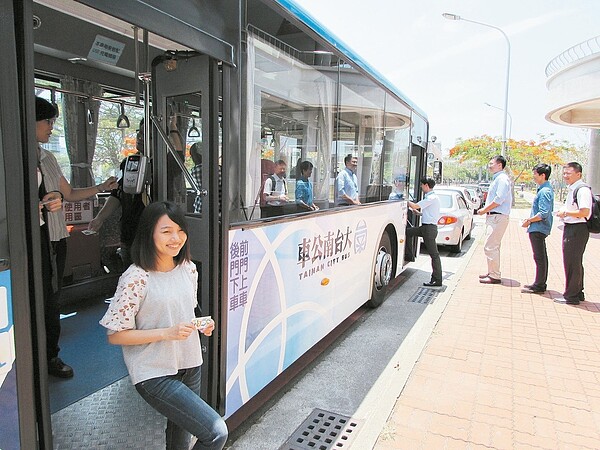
(457, 17)
(509, 118)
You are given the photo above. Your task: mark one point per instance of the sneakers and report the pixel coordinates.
(565, 301)
(58, 368)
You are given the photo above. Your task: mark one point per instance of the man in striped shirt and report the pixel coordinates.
(54, 180)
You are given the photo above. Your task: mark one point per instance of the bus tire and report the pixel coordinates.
(382, 274)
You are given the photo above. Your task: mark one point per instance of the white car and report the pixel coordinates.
(473, 201)
(456, 221)
(476, 193)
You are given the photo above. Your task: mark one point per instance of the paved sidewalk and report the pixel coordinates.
(503, 369)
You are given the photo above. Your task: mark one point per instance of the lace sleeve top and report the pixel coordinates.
(150, 300)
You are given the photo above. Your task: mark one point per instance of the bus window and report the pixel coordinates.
(114, 144)
(396, 150)
(360, 130)
(185, 133)
(292, 121)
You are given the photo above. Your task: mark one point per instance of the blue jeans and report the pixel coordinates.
(177, 397)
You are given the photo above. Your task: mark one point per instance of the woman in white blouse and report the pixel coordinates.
(151, 316)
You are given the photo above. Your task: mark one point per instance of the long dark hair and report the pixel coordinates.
(143, 249)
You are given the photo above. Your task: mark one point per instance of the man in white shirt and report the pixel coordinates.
(430, 208)
(574, 215)
(275, 192)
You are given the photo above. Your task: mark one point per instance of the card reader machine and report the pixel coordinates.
(134, 175)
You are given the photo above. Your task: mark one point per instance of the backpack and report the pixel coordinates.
(593, 223)
(273, 183)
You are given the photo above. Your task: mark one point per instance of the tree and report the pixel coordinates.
(521, 156)
(112, 143)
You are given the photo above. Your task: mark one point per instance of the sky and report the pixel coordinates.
(450, 69)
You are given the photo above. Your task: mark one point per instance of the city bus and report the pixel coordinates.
(244, 84)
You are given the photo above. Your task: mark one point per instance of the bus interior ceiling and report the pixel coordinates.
(92, 262)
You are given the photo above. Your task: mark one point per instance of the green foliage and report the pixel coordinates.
(521, 156)
(112, 142)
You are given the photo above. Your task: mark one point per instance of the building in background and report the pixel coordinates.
(573, 83)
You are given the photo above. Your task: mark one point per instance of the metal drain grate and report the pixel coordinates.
(323, 430)
(426, 296)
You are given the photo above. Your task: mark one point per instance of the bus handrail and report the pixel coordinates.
(173, 152)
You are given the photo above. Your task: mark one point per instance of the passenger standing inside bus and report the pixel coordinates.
(131, 205)
(304, 187)
(430, 208)
(54, 180)
(151, 315)
(55, 230)
(275, 192)
(197, 175)
(347, 183)
(399, 187)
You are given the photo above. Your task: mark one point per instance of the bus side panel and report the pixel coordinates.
(290, 284)
(9, 408)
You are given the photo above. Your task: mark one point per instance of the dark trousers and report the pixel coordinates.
(540, 257)
(575, 238)
(59, 250)
(429, 233)
(51, 309)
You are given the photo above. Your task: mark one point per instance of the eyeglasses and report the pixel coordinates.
(51, 122)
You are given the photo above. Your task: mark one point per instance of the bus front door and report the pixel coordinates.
(417, 170)
(185, 100)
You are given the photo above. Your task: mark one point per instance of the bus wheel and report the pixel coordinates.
(383, 272)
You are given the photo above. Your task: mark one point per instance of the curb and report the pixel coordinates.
(379, 404)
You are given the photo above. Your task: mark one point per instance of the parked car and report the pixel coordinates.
(456, 222)
(477, 190)
(476, 194)
(472, 201)
(485, 187)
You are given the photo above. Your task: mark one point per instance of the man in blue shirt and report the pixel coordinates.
(399, 188)
(430, 209)
(539, 226)
(497, 207)
(346, 183)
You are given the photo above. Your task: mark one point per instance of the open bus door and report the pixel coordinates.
(417, 170)
(185, 88)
